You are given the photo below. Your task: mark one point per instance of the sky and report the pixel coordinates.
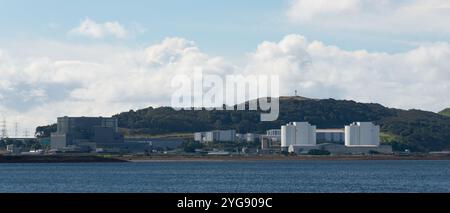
(103, 57)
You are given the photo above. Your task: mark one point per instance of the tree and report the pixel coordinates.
(191, 146)
(45, 131)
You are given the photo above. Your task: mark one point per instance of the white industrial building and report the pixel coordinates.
(216, 136)
(298, 134)
(198, 136)
(362, 134)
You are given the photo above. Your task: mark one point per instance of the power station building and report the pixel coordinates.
(298, 134)
(86, 133)
(216, 136)
(359, 138)
(362, 134)
(330, 136)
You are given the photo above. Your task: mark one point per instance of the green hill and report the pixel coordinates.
(413, 129)
(445, 112)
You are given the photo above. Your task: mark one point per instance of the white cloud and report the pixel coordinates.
(390, 16)
(35, 90)
(305, 10)
(37, 87)
(418, 78)
(92, 29)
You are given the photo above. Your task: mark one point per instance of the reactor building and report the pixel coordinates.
(362, 134)
(298, 134)
(86, 133)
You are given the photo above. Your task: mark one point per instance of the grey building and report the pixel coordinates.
(13, 149)
(249, 137)
(272, 139)
(330, 136)
(91, 132)
(216, 136)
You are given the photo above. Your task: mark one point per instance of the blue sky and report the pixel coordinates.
(90, 58)
(212, 24)
(219, 27)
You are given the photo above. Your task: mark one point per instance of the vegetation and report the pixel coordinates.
(323, 113)
(318, 152)
(415, 130)
(373, 152)
(445, 112)
(30, 144)
(191, 146)
(45, 131)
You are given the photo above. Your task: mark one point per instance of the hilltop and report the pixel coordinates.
(405, 129)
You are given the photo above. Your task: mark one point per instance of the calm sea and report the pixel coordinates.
(262, 176)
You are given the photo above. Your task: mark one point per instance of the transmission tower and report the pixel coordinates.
(16, 129)
(4, 130)
(26, 133)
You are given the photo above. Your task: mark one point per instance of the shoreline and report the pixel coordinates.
(278, 158)
(180, 158)
(5, 159)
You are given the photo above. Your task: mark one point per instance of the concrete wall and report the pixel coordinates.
(338, 149)
(341, 149)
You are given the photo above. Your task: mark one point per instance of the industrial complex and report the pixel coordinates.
(86, 133)
(302, 137)
(102, 135)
